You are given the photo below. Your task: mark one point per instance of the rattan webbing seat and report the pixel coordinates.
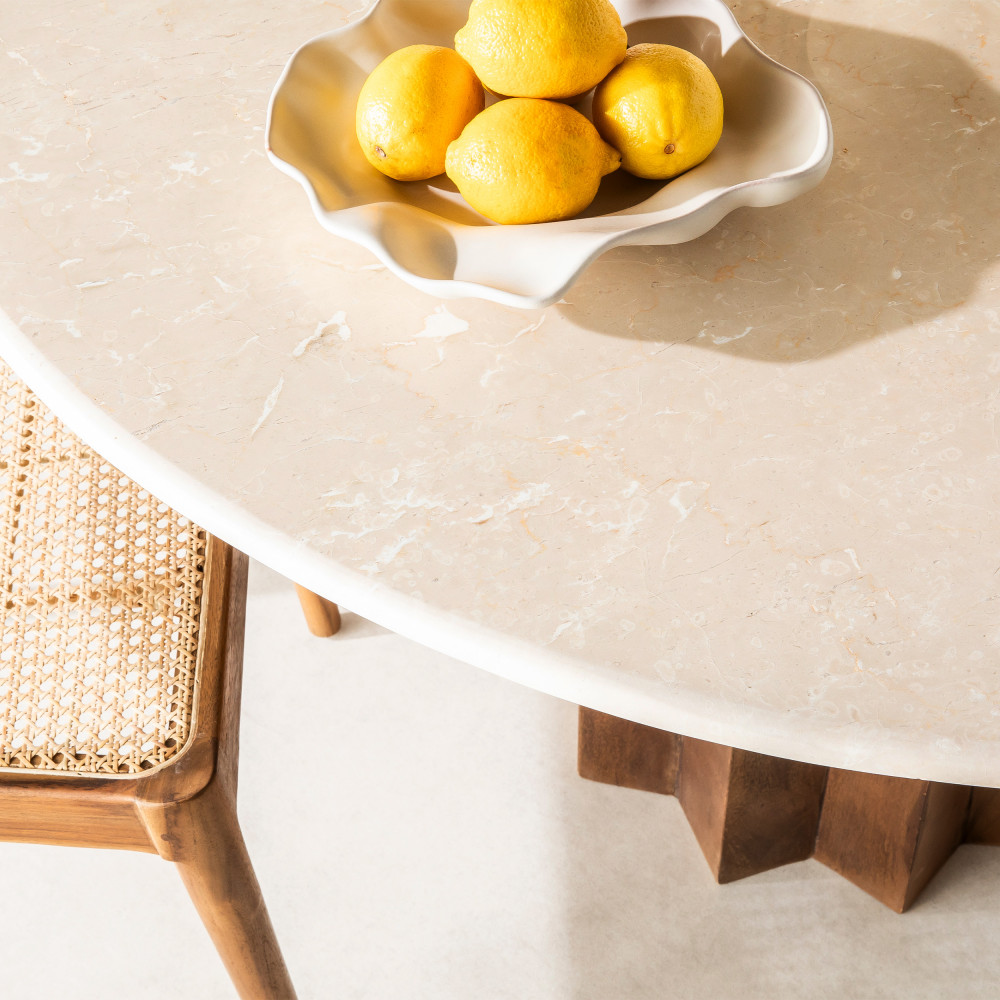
(120, 673)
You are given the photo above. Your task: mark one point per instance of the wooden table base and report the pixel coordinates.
(751, 812)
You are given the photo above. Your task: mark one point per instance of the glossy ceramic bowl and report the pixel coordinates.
(776, 143)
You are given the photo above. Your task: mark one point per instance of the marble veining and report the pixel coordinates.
(748, 486)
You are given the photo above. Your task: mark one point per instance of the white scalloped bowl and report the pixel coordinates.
(776, 143)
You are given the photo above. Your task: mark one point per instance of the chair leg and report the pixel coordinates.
(202, 836)
(322, 616)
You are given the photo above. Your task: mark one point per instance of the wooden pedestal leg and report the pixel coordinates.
(628, 754)
(889, 835)
(202, 836)
(322, 616)
(750, 812)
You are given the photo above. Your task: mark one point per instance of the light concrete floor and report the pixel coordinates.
(420, 832)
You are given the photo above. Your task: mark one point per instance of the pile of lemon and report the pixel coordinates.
(657, 109)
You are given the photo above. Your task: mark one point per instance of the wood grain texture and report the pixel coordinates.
(71, 812)
(703, 792)
(202, 836)
(983, 822)
(941, 831)
(322, 616)
(868, 831)
(750, 812)
(618, 752)
(889, 836)
(772, 813)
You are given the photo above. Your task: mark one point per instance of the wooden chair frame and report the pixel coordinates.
(184, 810)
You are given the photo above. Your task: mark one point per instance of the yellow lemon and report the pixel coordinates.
(527, 160)
(413, 104)
(661, 108)
(542, 48)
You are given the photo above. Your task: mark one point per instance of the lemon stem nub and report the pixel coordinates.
(669, 148)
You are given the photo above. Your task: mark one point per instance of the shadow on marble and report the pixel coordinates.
(898, 233)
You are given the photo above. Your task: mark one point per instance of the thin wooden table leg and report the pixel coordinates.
(889, 836)
(322, 616)
(618, 752)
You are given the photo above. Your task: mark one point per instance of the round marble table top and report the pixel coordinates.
(745, 488)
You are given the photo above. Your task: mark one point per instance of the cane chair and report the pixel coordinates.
(120, 675)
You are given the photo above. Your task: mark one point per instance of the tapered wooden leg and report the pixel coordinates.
(749, 812)
(618, 752)
(322, 616)
(889, 835)
(202, 836)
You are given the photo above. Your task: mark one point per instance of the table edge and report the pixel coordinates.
(675, 709)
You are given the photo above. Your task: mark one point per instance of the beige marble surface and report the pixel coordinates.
(746, 487)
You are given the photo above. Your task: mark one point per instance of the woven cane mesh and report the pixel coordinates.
(102, 592)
